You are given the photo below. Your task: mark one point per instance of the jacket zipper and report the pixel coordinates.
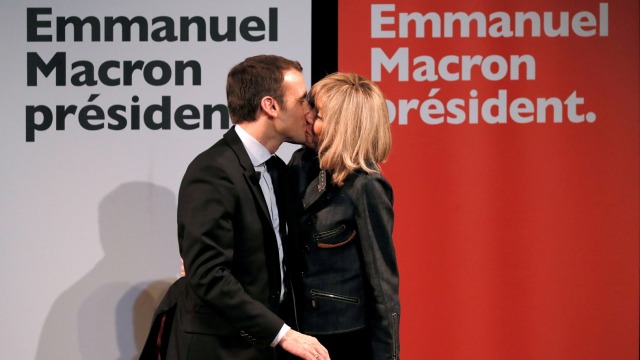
(329, 233)
(396, 323)
(321, 294)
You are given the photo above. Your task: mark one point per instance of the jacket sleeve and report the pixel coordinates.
(373, 197)
(208, 206)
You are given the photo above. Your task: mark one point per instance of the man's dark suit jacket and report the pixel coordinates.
(229, 304)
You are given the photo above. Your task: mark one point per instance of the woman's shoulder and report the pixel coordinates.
(361, 183)
(362, 177)
(303, 155)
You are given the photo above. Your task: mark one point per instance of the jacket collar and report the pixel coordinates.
(316, 188)
(232, 138)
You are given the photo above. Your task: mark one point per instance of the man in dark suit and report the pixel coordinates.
(230, 233)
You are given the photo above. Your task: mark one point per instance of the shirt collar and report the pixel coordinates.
(257, 152)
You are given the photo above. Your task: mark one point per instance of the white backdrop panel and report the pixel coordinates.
(88, 230)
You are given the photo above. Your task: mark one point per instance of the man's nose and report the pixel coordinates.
(310, 116)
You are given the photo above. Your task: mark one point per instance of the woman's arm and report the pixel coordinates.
(373, 197)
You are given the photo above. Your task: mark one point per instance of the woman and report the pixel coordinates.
(342, 221)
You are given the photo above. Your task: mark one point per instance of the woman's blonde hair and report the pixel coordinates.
(356, 132)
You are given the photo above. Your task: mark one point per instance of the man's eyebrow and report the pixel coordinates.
(310, 100)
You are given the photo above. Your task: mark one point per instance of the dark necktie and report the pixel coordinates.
(272, 169)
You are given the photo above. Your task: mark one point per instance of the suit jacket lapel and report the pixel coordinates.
(253, 182)
(250, 175)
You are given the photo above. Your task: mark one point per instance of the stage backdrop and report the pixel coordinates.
(104, 104)
(514, 164)
(515, 168)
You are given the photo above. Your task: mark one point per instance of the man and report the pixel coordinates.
(230, 230)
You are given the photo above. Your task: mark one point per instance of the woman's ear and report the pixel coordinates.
(270, 106)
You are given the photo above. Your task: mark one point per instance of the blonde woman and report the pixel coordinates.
(341, 223)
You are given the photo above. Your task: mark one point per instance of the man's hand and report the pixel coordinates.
(304, 346)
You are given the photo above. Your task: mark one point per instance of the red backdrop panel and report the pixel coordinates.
(516, 240)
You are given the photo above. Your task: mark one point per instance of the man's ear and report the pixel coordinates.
(270, 106)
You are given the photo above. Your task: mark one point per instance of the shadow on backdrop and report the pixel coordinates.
(107, 313)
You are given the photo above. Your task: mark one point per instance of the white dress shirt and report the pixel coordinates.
(258, 154)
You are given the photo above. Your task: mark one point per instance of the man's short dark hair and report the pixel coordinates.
(251, 80)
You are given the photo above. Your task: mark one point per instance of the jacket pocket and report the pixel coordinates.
(334, 238)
